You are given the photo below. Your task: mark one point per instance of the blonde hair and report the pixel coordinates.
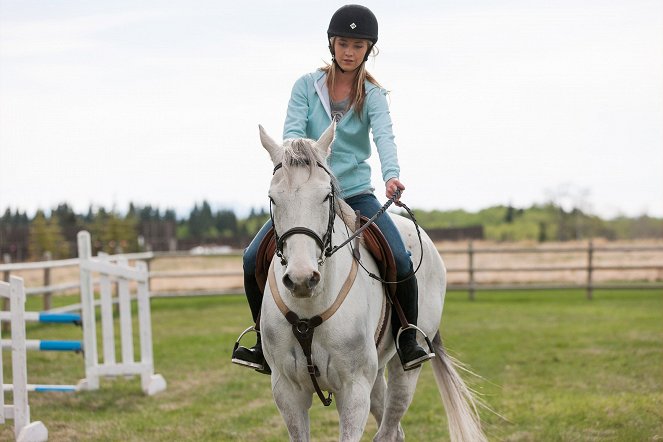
(358, 92)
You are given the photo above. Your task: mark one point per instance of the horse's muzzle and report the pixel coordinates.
(301, 286)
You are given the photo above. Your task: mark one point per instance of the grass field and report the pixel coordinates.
(558, 367)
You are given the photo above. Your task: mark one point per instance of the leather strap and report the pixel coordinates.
(342, 294)
(303, 328)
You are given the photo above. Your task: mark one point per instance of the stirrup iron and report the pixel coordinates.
(257, 367)
(417, 362)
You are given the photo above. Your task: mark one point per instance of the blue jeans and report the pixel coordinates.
(368, 205)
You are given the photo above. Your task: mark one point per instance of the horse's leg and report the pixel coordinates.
(400, 390)
(377, 397)
(293, 404)
(353, 405)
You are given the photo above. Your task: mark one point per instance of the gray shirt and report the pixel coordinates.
(339, 108)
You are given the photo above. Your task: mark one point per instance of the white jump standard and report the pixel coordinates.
(24, 430)
(121, 272)
(107, 269)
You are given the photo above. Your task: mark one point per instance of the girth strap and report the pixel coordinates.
(303, 328)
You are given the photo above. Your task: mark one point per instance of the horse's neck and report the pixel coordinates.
(338, 266)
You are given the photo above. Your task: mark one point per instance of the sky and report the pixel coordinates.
(515, 102)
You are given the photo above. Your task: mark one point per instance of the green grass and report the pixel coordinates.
(558, 367)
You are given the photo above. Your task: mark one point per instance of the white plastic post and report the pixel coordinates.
(24, 430)
(151, 383)
(19, 369)
(4, 295)
(126, 329)
(91, 381)
(107, 328)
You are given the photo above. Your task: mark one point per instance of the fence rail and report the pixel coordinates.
(471, 269)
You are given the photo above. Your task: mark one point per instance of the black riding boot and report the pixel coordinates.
(252, 357)
(412, 355)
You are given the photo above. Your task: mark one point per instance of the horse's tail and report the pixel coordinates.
(459, 402)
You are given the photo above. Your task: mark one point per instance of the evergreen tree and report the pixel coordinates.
(226, 223)
(46, 236)
(510, 214)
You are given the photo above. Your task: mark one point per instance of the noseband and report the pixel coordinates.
(324, 242)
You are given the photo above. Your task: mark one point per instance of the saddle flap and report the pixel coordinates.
(377, 245)
(266, 252)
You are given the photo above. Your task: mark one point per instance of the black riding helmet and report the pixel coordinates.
(353, 21)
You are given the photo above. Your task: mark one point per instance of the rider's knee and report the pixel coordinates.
(403, 265)
(249, 259)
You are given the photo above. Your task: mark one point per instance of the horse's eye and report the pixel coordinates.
(271, 200)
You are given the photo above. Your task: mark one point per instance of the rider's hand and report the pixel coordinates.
(391, 186)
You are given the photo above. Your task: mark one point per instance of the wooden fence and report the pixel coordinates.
(472, 270)
(589, 267)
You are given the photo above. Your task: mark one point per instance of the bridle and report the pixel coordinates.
(324, 242)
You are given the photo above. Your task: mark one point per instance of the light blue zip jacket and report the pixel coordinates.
(309, 114)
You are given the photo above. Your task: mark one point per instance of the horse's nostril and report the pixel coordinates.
(288, 282)
(314, 280)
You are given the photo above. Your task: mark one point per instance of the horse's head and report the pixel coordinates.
(302, 207)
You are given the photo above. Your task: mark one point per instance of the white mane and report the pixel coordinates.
(301, 152)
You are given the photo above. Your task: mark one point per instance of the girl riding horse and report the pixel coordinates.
(346, 93)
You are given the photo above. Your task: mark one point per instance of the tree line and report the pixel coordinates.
(544, 222)
(145, 228)
(141, 228)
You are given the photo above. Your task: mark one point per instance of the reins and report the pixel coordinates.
(371, 221)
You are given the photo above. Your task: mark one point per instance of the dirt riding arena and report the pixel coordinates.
(454, 254)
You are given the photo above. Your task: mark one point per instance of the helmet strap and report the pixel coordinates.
(368, 52)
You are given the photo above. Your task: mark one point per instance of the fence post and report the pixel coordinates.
(590, 269)
(471, 282)
(47, 282)
(148, 263)
(88, 311)
(7, 258)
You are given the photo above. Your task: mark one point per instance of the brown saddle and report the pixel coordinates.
(373, 240)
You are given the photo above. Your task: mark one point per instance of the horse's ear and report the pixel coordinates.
(326, 139)
(275, 150)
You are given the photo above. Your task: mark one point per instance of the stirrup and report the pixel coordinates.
(416, 363)
(260, 368)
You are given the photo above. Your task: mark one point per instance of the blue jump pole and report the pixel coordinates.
(60, 346)
(46, 317)
(55, 388)
(60, 318)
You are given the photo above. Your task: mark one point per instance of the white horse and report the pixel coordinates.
(343, 347)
